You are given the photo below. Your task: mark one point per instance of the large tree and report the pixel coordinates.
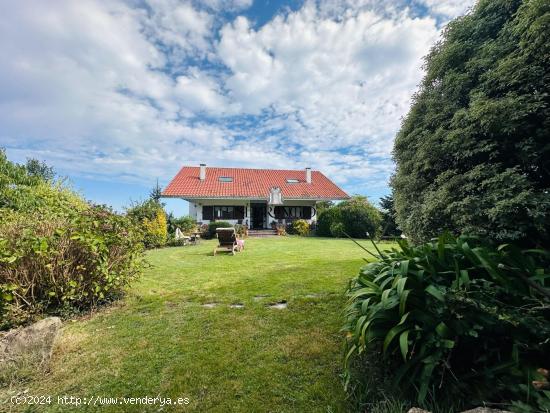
(473, 153)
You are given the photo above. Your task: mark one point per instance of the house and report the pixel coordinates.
(255, 197)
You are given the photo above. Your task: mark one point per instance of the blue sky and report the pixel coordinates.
(116, 94)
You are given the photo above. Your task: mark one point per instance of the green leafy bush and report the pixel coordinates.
(358, 217)
(186, 224)
(152, 218)
(472, 154)
(211, 229)
(50, 263)
(455, 318)
(337, 229)
(325, 219)
(57, 252)
(301, 227)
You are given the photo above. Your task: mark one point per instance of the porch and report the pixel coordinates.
(256, 214)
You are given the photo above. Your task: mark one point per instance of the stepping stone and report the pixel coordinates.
(237, 305)
(210, 305)
(260, 297)
(281, 305)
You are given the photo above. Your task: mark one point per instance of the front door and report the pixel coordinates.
(258, 215)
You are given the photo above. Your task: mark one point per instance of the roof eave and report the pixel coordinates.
(194, 197)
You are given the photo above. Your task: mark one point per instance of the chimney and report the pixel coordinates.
(202, 172)
(308, 175)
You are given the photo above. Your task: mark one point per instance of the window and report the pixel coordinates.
(292, 181)
(222, 212)
(225, 179)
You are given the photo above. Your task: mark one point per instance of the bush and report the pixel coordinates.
(301, 227)
(58, 254)
(186, 224)
(455, 318)
(151, 217)
(360, 218)
(357, 216)
(211, 229)
(155, 230)
(472, 154)
(325, 219)
(337, 229)
(53, 264)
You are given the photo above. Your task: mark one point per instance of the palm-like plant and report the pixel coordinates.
(453, 314)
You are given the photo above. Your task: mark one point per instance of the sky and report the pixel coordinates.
(117, 94)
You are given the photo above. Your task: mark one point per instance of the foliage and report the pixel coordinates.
(360, 218)
(57, 252)
(156, 193)
(389, 226)
(48, 263)
(301, 227)
(241, 230)
(155, 230)
(455, 318)
(337, 229)
(151, 217)
(322, 205)
(40, 170)
(325, 219)
(24, 190)
(472, 154)
(211, 229)
(186, 224)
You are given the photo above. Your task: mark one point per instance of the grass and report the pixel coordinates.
(161, 340)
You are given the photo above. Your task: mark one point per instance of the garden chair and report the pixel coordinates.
(227, 240)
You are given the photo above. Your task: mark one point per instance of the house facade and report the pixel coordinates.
(254, 197)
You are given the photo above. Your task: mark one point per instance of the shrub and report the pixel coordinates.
(337, 229)
(57, 252)
(325, 219)
(155, 230)
(455, 318)
(301, 227)
(357, 216)
(186, 224)
(472, 154)
(241, 230)
(389, 226)
(151, 217)
(360, 218)
(211, 230)
(53, 264)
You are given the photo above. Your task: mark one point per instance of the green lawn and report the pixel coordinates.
(161, 340)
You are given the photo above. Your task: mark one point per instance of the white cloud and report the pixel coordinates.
(342, 83)
(111, 89)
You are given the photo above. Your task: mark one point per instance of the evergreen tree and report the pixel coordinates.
(156, 193)
(389, 226)
(473, 154)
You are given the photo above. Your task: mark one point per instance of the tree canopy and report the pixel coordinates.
(472, 154)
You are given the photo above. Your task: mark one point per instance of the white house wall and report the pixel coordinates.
(195, 208)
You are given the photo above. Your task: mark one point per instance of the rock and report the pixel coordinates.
(281, 305)
(34, 342)
(485, 410)
(417, 410)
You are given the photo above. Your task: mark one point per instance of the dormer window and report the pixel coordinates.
(225, 179)
(292, 181)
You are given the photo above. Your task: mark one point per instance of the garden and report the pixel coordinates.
(437, 297)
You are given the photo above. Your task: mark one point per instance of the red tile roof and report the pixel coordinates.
(251, 183)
